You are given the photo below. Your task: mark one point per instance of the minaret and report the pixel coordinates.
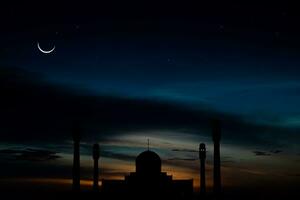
(96, 155)
(216, 134)
(148, 143)
(76, 158)
(202, 157)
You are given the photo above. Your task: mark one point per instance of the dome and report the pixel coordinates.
(148, 162)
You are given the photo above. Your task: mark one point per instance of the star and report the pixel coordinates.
(221, 27)
(170, 61)
(284, 14)
(277, 34)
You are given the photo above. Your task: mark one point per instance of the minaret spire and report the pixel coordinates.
(96, 156)
(202, 157)
(148, 143)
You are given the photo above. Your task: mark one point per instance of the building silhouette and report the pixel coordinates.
(76, 132)
(202, 157)
(216, 135)
(96, 156)
(149, 181)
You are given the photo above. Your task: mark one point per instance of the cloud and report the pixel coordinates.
(174, 161)
(261, 153)
(108, 172)
(276, 151)
(190, 164)
(183, 159)
(35, 110)
(115, 155)
(227, 160)
(29, 154)
(186, 150)
(265, 153)
(293, 174)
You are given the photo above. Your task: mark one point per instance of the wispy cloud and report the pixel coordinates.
(106, 116)
(276, 151)
(254, 172)
(267, 153)
(261, 153)
(227, 159)
(186, 150)
(29, 154)
(183, 159)
(115, 155)
(293, 174)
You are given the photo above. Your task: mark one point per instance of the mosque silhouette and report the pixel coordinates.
(148, 181)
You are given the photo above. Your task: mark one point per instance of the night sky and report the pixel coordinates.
(159, 71)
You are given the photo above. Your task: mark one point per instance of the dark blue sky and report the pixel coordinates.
(239, 75)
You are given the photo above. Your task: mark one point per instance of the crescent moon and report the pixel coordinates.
(45, 51)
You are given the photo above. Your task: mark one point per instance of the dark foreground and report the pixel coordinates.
(45, 195)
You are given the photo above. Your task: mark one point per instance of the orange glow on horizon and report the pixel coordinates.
(47, 181)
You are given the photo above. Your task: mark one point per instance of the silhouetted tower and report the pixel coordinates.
(216, 134)
(96, 156)
(76, 158)
(202, 157)
(148, 143)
